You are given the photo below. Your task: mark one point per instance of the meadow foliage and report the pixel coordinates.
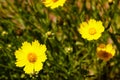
(59, 39)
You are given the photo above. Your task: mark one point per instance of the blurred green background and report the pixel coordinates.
(70, 57)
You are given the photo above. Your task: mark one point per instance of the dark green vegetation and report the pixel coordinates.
(70, 57)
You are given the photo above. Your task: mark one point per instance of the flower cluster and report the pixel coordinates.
(31, 56)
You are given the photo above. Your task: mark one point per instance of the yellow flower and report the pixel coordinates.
(53, 3)
(91, 30)
(31, 56)
(105, 52)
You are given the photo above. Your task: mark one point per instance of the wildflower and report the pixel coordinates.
(53, 3)
(31, 57)
(105, 52)
(91, 30)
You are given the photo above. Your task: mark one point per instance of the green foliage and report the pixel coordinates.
(70, 57)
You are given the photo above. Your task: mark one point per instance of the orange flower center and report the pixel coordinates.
(54, 0)
(92, 31)
(32, 57)
(104, 55)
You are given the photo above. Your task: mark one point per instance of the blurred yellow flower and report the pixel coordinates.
(31, 56)
(105, 52)
(110, 2)
(53, 3)
(91, 30)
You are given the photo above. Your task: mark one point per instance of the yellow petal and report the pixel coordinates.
(20, 63)
(29, 68)
(109, 48)
(38, 66)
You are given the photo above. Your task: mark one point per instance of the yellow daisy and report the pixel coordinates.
(105, 52)
(91, 30)
(53, 3)
(31, 56)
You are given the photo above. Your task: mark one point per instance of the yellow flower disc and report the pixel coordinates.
(92, 31)
(32, 57)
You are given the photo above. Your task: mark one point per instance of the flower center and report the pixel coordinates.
(54, 0)
(104, 55)
(92, 31)
(32, 57)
